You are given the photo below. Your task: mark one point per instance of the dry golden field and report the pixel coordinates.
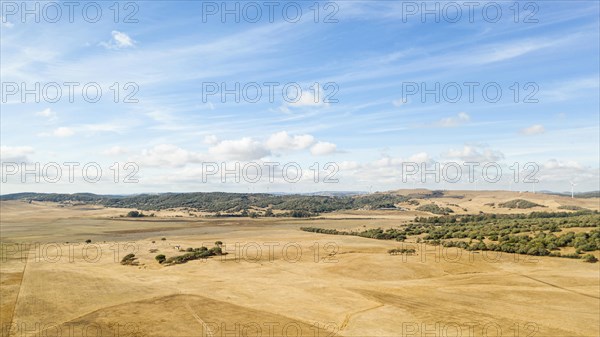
(277, 280)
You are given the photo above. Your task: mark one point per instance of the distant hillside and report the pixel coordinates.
(520, 204)
(591, 194)
(223, 202)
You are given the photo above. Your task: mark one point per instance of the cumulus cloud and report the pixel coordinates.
(454, 121)
(241, 149)
(63, 131)
(47, 113)
(115, 151)
(533, 130)
(387, 161)
(167, 155)
(119, 40)
(211, 140)
(555, 170)
(470, 153)
(349, 165)
(283, 141)
(15, 153)
(251, 149)
(323, 148)
(421, 157)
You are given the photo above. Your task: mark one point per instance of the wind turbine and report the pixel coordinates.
(572, 192)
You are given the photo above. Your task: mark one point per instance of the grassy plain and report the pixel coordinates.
(279, 281)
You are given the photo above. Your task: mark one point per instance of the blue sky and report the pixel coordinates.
(369, 55)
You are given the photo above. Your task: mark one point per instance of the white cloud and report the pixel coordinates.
(167, 155)
(421, 157)
(86, 129)
(63, 131)
(454, 121)
(115, 151)
(211, 140)
(47, 113)
(104, 127)
(533, 130)
(554, 170)
(349, 165)
(283, 141)
(119, 40)
(323, 148)
(387, 162)
(15, 153)
(471, 153)
(242, 149)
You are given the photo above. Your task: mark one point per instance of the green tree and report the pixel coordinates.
(160, 258)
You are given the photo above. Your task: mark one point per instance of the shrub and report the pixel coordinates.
(193, 254)
(160, 258)
(129, 259)
(572, 208)
(399, 251)
(589, 258)
(88, 241)
(135, 214)
(435, 209)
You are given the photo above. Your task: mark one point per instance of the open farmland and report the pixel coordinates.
(278, 279)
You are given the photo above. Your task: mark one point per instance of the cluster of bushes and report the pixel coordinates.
(572, 208)
(129, 260)
(541, 244)
(373, 233)
(267, 213)
(519, 204)
(435, 209)
(402, 251)
(322, 230)
(137, 214)
(191, 254)
(532, 234)
(589, 258)
(486, 217)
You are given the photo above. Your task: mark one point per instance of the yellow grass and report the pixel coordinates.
(339, 285)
